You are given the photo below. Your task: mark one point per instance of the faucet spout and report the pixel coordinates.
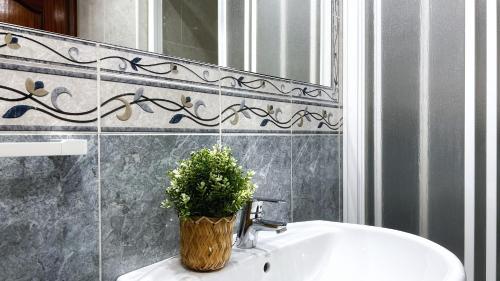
(267, 225)
(251, 224)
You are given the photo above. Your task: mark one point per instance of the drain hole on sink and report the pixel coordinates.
(267, 266)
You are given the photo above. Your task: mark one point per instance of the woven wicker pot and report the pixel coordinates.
(206, 242)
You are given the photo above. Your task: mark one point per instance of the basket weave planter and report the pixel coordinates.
(206, 242)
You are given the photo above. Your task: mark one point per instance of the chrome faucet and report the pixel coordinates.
(251, 223)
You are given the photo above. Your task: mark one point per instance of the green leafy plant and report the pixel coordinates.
(210, 183)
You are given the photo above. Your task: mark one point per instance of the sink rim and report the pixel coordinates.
(271, 242)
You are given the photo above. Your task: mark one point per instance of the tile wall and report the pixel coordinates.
(97, 216)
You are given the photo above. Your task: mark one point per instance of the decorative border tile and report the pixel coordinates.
(32, 47)
(148, 65)
(250, 113)
(310, 92)
(142, 91)
(316, 118)
(129, 104)
(33, 98)
(253, 82)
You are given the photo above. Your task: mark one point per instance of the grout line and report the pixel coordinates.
(423, 149)
(469, 138)
(491, 139)
(220, 109)
(291, 179)
(98, 81)
(377, 115)
(45, 133)
(291, 164)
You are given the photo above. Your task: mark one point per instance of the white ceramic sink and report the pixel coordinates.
(324, 251)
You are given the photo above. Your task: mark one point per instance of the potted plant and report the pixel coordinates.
(207, 190)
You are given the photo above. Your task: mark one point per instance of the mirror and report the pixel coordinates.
(284, 38)
(291, 39)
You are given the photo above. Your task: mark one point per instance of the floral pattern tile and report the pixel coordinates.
(148, 65)
(136, 105)
(39, 48)
(316, 93)
(250, 113)
(316, 118)
(252, 82)
(31, 100)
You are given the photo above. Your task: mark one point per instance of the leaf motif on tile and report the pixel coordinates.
(186, 101)
(329, 116)
(176, 118)
(264, 122)
(135, 62)
(144, 106)
(236, 117)
(123, 64)
(11, 41)
(73, 53)
(306, 114)
(240, 81)
(128, 110)
(206, 74)
(173, 68)
(17, 111)
(138, 94)
(270, 109)
(197, 106)
(35, 88)
(243, 110)
(55, 95)
(278, 111)
(301, 121)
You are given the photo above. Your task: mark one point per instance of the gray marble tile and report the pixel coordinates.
(49, 214)
(136, 232)
(341, 177)
(269, 157)
(315, 178)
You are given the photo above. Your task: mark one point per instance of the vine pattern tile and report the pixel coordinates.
(316, 93)
(128, 104)
(141, 91)
(251, 113)
(254, 83)
(148, 65)
(33, 100)
(316, 118)
(41, 48)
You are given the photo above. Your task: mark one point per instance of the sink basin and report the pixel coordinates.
(324, 251)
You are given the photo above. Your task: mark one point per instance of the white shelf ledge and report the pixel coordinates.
(52, 148)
